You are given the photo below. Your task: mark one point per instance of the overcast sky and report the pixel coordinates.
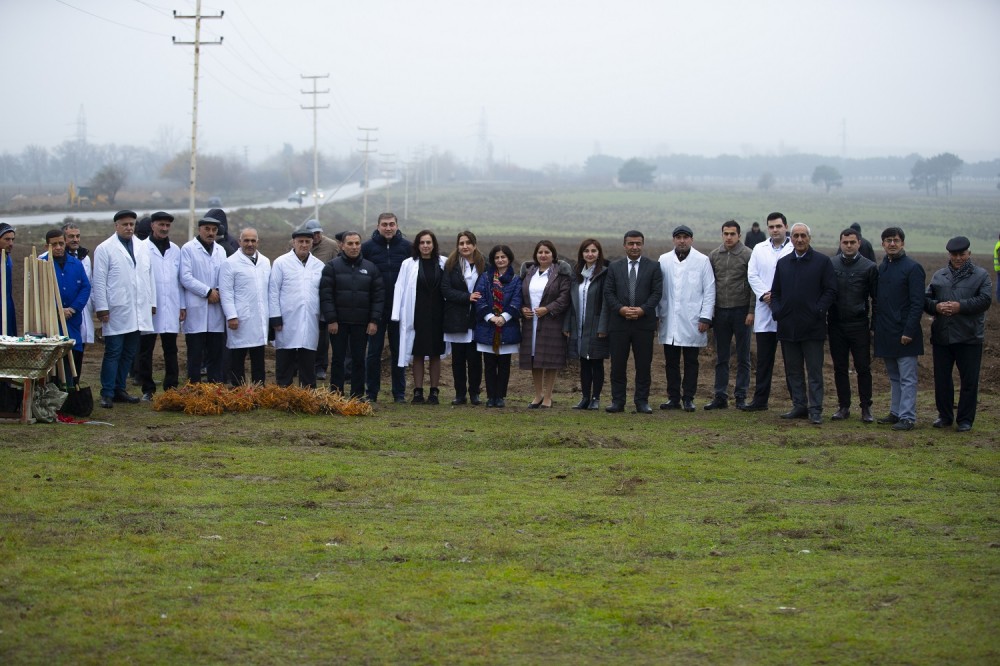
(555, 80)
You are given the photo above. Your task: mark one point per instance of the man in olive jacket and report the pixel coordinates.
(899, 339)
(958, 297)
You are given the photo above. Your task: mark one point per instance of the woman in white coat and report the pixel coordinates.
(243, 283)
(418, 306)
(293, 309)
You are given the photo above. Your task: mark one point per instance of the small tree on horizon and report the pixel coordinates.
(109, 180)
(766, 181)
(827, 175)
(636, 172)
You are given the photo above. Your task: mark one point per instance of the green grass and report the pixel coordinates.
(443, 535)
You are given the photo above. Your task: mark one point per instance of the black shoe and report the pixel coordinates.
(941, 423)
(741, 404)
(615, 407)
(147, 397)
(434, 397)
(583, 404)
(841, 414)
(643, 408)
(321, 375)
(500, 403)
(816, 419)
(688, 405)
(866, 415)
(753, 407)
(796, 413)
(490, 403)
(107, 403)
(122, 396)
(534, 405)
(595, 403)
(474, 399)
(418, 397)
(459, 401)
(888, 420)
(903, 424)
(965, 426)
(719, 403)
(670, 404)
(399, 399)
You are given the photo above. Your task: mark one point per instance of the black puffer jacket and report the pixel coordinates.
(388, 256)
(351, 292)
(974, 294)
(857, 280)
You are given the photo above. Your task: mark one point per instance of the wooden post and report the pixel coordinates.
(27, 294)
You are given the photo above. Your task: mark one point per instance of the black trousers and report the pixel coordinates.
(466, 368)
(804, 358)
(496, 372)
(322, 348)
(289, 361)
(355, 338)
(237, 365)
(676, 389)
(968, 359)
(730, 323)
(147, 344)
(767, 349)
(847, 343)
(591, 377)
(640, 343)
(208, 348)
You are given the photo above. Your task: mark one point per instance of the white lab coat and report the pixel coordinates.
(87, 325)
(688, 295)
(169, 292)
(293, 295)
(125, 289)
(243, 289)
(404, 301)
(199, 273)
(760, 274)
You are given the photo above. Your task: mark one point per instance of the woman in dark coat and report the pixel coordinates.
(545, 300)
(458, 287)
(584, 319)
(497, 331)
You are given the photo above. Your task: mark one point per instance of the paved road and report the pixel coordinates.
(348, 191)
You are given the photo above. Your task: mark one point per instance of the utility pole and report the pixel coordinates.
(406, 189)
(366, 152)
(197, 43)
(315, 92)
(385, 159)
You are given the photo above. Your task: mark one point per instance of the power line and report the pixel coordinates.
(102, 18)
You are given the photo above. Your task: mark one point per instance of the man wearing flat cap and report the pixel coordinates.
(958, 297)
(7, 244)
(685, 311)
(293, 309)
(325, 249)
(205, 324)
(165, 257)
(124, 296)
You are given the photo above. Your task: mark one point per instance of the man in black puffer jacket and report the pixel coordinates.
(351, 301)
(387, 249)
(849, 326)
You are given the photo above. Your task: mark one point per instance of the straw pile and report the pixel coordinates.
(212, 399)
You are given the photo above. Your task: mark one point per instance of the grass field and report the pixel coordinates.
(464, 535)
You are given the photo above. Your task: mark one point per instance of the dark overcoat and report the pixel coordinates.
(595, 318)
(550, 343)
(899, 304)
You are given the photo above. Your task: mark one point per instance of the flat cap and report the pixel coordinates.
(313, 226)
(683, 230)
(161, 215)
(958, 244)
(302, 232)
(208, 220)
(126, 213)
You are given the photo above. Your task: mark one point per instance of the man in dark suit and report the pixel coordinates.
(632, 291)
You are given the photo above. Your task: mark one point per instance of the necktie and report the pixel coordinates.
(631, 282)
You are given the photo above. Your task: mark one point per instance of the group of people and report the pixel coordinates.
(481, 309)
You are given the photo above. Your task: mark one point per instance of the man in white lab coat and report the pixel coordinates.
(760, 274)
(293, 306)
(205, 325)
(124, 297)
(165, 258)
(243, 282)
(686, 309)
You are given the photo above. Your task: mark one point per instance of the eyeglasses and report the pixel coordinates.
(892, 241)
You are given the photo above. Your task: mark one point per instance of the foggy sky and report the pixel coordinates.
(633, 77)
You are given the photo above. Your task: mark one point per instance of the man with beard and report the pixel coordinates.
(957, 298)
(734, 315)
